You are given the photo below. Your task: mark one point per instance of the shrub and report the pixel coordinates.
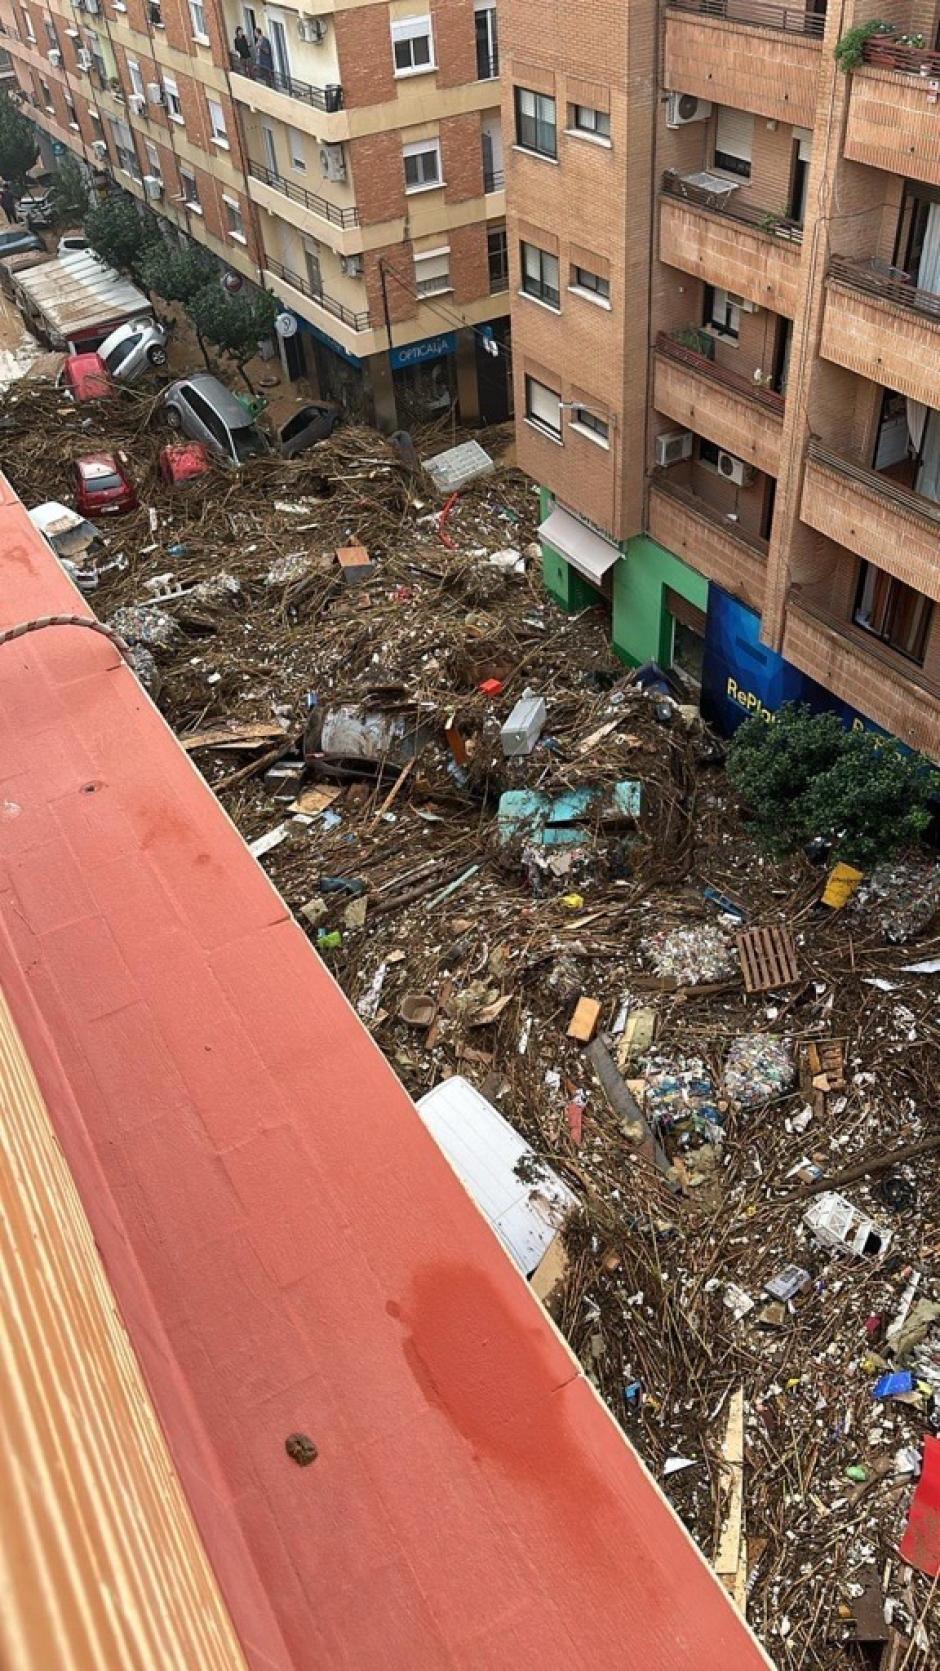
(848, 50)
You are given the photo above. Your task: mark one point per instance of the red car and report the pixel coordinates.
(184, 461)
(86, 377)
(102, 486)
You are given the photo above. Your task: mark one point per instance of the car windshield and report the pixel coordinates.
(104, 481)
(248, 442)
(119, 353)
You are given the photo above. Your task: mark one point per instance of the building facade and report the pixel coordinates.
(724, 255)
(353, 166)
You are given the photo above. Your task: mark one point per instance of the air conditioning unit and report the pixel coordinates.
(55, 58)
(735, 470)
(153, 186)
(83, 58)
(672, 448)
(332, 162)
(93, 6)
(311, 29)
(154, 92)
(685, 107)
(100, 147)
(351, 265)
(136, 103)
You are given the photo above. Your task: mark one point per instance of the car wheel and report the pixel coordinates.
(173, 418)
(156, 355)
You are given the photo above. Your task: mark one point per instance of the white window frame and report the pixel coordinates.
(583, 124)
(153, 159)
(217, 123)
(30, 31)
(584, 429)
(72, 113)
(187, 175)
(586, 291)
(233, 207)
(534, 262)
(422, 147)
(135, 78)
(723, 306)
(540, 420)
(197, 16)
(438, 257)
(45, 93)
(408, 29)
(295, 149)
(174, 104)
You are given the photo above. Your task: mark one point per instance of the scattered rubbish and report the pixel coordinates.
(638, 1036)
(907, 1331)
(929, 966)
(355, 562)
(418, 1009)
(232, 736)
(368, 1005)
(920, 1545)
(731, 1560)
(329, 940)
(841, 884)
(836, 1223)
(301, 1449)
(522, 729)
(787, 1282)
(691, 956)
(897, 1193)
(902, 897)
(548, 1279)
(680, 1099)
(677, 1464)
(724, 904)
(524, 1200)
(737, 1300)
(566, 820)
(893, 1384)
(491, 687)
(584, 1021)
(458, 466)
(267, 842)
(145, 624)
(758, 1067)
(351, 735)
(768, 959)
(282, 781)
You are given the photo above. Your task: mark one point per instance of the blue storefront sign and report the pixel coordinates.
(419, 353)
(742, 677)
(327, 341)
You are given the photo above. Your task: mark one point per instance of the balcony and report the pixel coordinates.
(309, 200)
(356, 322)
(892, 119)
(848, 661)
(882, 327)
(494, 179)
(717, 548)
(874, 516)
(726, 408)
(751, 252)
(329, 99)
(748, 54)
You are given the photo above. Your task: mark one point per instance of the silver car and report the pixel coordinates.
(205, 410)
(132, 347)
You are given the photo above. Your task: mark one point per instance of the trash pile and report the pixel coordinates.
(527, 871)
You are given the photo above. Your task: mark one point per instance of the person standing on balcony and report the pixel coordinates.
(264, 58)
(242, 50)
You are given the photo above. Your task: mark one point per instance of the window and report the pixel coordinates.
(197, 15)
(893, 612)
(234, 224)
(295, 145)
(423, 165)
(734, 141)
(543, 407)
(722, 313)
(432, 271)
(487, 34)
(71, 112)
(585, 119)
(535, 122)
(217, 123)
(153, 159)
(497, 251)
(136, 79)
(413, 46)
(171, 93)
(51, 35)
(30, 35)
(124, 148)
(45, 93)
(190, 190)
(591, 283)
(597, 428)
(802, 157)
(708, 453)
(540, 275)
(155, 14)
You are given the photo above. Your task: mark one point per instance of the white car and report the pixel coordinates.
(71, 243)
(130, 349)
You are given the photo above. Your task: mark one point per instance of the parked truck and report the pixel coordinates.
(76, 301)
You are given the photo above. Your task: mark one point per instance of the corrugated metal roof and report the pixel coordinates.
(78, 290)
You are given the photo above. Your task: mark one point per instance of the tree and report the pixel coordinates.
(806, 776)
(176, 272)
(119, 232)
(233, 324)
(19, 147)
(69, 193)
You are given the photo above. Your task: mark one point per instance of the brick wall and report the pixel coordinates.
(399, 264)
(455, 41)
(469, 264)
(378, 176)
(363, 44)
(462, 157)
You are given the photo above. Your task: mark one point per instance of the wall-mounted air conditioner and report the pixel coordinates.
(83, 58)
(685, 107)
(55, 58)
(93, 6)
(672, 448)
(311, 29)
(351, 265)
(100, 148)
(153, 186)
(154, 92)
(332, 162)
(735, 470)
(136, 103)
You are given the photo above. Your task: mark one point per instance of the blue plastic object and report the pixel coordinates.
(893, 1383)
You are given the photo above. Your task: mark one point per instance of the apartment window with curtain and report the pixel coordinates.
(540, 275)
(543, 407)
(584, 119)
(590, 284)
(734, 142)
(893, 612)
(30, 35)
(413, 46)
(171, 95)
(487, 34)
(153, 159)
(234, 223)
(197, 16)
(595, 428)
(536, 128)
(217, 123)
(136, 79)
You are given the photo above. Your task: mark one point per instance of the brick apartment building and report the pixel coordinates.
(725, 269)
(356, 170)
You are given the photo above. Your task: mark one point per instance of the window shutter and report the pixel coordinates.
(804, 139)
(544, 404)
(735, 134)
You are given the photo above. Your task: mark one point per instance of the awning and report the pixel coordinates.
(586, 551)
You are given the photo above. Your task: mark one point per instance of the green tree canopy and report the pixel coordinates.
(120, 232)
(233, 324)
(176, 272)
(19, 146)
(69, 193)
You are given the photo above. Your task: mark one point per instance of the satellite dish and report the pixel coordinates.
(286, 324)
(232, 283)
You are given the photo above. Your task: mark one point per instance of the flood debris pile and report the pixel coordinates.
(713, 1096)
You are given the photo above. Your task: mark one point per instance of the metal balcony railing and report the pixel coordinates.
(760, 220)
(322, 98)
(329, 304)
(862, 275)
(690, 501)
(883, 487)
(791, 20)
(308, 199)
(910, 60)
(732, 380)
(494, 179)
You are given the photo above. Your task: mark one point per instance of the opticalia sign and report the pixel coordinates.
(418, 353)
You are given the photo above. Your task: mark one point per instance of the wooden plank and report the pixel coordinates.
(768, 958)
(731, 1556)
(250, 735)
(583, 1023)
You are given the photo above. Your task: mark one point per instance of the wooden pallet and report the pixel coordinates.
(768, 958)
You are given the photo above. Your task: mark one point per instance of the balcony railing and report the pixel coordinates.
(494, 179)
(700, 507)
(791, 20)
(892, 492)
(322, 98)
(861, 275)
(762, 220)
(308, 199)
(910, 60)
(746, 387)
(346, 316)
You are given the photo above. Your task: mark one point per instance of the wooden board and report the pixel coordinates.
(583, 1023)
(768, 958)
